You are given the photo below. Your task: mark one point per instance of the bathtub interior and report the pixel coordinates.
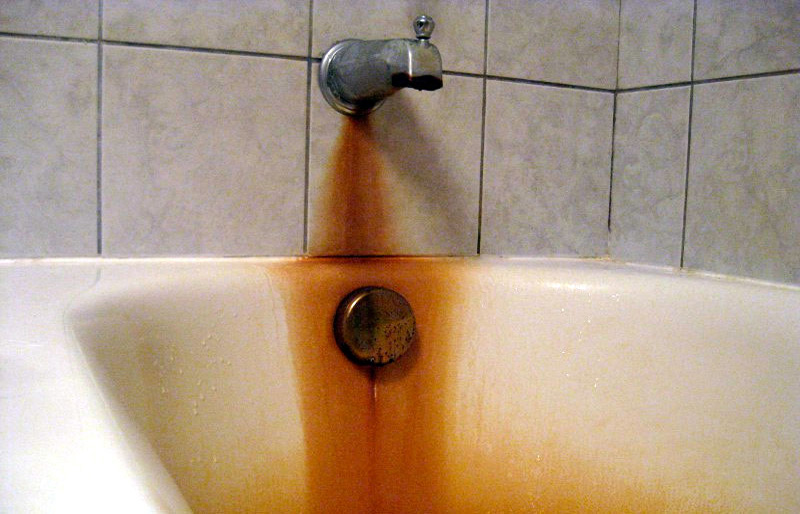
(532, 385)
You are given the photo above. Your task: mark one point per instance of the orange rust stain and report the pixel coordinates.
(379, 441)
(385, 440)
(353, 462)
(336, 395)
(354, 219)
(411, 424)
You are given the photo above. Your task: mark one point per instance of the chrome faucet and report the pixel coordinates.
(356, 76)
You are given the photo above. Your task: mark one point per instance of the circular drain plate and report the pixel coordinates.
(374, 325)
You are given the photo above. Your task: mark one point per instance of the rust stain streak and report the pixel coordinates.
(354, 219)
(379, 440)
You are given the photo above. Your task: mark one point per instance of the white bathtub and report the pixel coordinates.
(164, 385)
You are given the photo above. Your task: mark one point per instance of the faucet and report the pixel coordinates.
(356, 76)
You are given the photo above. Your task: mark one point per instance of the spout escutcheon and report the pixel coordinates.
(331, 87)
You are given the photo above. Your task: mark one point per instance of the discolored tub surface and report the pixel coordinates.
(532, 385)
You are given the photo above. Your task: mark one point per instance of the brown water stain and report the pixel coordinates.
(340, 401)
(354, 218)
(389, 440)
(383, 440)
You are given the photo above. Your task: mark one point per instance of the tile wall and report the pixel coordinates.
(660, 132)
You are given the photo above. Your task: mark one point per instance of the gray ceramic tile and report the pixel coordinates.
(546, 172)
(202, 153)
(572, 42)
(738, 37)
(68, 18)
(271, 26)
(48, 148)
(650, 145)
(744, 179)
(404, 180)
(655, 42)
(459, 32)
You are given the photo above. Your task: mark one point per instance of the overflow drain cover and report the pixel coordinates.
(374, 325)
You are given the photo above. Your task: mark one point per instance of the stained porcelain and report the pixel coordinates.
(160, 385)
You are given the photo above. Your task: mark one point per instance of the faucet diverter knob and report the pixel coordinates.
(423, 26)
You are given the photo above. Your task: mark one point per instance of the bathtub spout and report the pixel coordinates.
(356, 76)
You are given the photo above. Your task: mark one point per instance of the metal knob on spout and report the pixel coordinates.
(356, 76)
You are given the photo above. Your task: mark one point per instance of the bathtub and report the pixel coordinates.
(533, 385)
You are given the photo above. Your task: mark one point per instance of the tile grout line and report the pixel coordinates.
(307, 164)
(765, 74)
(483, 122)
(216, 51)
(532, 82)
(484, 76)
(688, 140)
(45, 37)
(501, 78)
(654, 87)
(99, 178)
(611, 171)
(613, 131)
